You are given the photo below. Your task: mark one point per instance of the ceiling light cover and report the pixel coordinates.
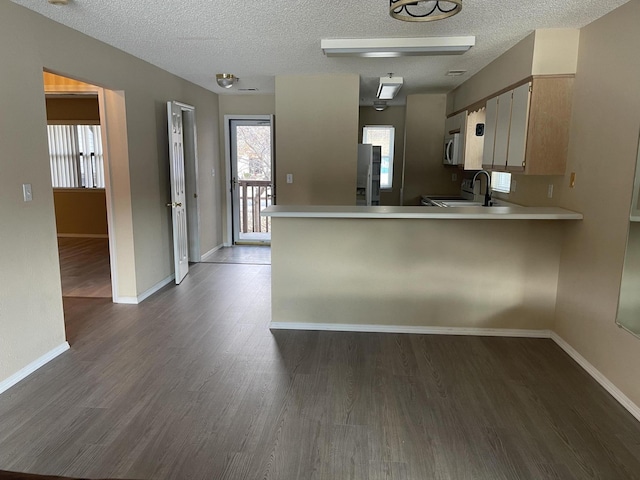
(226, 80)
(396, 47)
(389, 87)
(379, 105)
(423, 11)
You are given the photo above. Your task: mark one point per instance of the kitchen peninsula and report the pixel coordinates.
(490, 270)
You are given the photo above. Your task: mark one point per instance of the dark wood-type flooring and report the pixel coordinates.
(84, 267)
(191, 384)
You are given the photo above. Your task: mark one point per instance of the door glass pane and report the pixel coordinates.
(253, 167)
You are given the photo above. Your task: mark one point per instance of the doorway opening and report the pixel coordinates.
(77, 164)
(113, 179)
(250, 156)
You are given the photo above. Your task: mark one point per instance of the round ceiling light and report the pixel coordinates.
(379, 105)
(226, 80)
(423, 11)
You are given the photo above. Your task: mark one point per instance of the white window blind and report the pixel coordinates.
(382, 135)
(76, 157)
(501, 182)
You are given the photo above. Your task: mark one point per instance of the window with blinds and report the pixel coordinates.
(76, 157)
(501, 182)
(382, 135)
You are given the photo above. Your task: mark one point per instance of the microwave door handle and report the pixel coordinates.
(449, 155)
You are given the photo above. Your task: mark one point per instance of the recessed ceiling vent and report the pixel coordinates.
(455, 73)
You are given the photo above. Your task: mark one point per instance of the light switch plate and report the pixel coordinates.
(289, 177)
(26, 192)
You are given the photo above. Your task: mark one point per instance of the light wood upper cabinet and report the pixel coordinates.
(516, 153)
(474, 143)
(548, 128)
(503, 124)
(531, 132)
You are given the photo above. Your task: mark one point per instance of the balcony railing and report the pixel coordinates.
(255, 195)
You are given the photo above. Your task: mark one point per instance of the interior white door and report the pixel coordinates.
(178, 197)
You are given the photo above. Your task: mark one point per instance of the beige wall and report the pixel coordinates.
(80, 211)
(395, 117)
(555, 51)
(317, 139)
(509, 68)
(31, 318)
(602, 152)
(432, 272)
(424, 137)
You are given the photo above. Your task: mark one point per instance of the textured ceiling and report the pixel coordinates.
(258, 39)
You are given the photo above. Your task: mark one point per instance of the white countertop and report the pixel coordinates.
(437, 213)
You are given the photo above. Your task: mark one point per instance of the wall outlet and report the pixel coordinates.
(289, 177)
(213, 172)
(454, 177)
(550, 191)
(513, 185)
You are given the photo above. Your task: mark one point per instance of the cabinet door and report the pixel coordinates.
(474, 144)
(502, 130)
(490, 132)
(519, 124)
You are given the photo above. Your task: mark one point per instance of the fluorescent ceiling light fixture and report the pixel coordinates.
(389, 87)
(395, 47)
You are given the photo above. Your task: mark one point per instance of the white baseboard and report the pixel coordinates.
(339, 327)
(83, 235)
(32, 367)
(211, 252)
(146, 294)
(598, 376)
(126, 300)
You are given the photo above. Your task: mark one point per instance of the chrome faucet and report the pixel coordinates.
(487, 192)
